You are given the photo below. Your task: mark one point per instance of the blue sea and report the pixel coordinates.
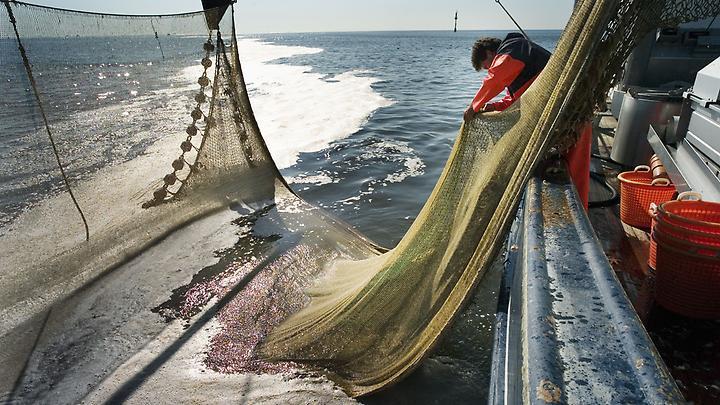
(370, 117)
(429, 78)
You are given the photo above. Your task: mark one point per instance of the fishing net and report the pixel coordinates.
(44, 239)
(372, 322)
(157, 161)
(149, 119)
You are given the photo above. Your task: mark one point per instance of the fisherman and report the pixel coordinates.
(512, 64)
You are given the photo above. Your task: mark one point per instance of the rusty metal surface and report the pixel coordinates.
(566, 332)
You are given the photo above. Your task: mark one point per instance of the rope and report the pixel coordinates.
(157, 38)
(28, 69)
(707, 30)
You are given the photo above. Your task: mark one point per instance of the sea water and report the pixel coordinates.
(378, 176)
(360, 124)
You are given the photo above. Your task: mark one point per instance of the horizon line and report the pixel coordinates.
(397, 30)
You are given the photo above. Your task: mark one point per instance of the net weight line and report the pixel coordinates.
(33, 84)
(163, 194)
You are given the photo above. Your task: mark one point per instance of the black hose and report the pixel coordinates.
(613, 200)
(609, 160)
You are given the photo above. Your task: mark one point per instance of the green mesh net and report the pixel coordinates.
(372, 322)
(330, 298)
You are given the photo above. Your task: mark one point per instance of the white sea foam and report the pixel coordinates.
(299, 110)
(413, 167)
(398, 157)
(397, 151)
(318, 179)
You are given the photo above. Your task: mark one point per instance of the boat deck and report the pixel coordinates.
(688, 346)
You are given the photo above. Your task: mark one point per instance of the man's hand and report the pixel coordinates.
(469, 114)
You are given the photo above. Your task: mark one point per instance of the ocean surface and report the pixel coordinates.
(378, 177)
(360, 123)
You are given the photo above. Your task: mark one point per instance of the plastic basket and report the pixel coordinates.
(699, 238)
(637, 191)
(700, 216)
(675, 228)
(687, 282)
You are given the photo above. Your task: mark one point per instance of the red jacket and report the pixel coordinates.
(517, 63)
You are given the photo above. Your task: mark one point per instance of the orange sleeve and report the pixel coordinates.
(503, 71)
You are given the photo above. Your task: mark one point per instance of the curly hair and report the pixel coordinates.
(479, 50)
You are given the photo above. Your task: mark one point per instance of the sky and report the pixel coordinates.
(265, 16)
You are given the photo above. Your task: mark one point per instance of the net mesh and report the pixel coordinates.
(157, 160)
(372, 322)
(153, 127)
(114, 163)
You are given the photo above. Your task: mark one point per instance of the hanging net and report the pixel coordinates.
(150, 121)
(86, 194)
(373, 321)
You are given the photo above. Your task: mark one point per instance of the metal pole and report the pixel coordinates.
(513, 20)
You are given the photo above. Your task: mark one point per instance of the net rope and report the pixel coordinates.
(371, 316)
(31, 78)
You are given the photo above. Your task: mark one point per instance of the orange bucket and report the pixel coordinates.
(687, 277)
(702, 216)
(638, 190)
(675, 224)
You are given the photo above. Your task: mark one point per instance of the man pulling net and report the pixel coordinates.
(512, 64)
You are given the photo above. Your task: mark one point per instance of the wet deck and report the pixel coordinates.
(688, 346)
